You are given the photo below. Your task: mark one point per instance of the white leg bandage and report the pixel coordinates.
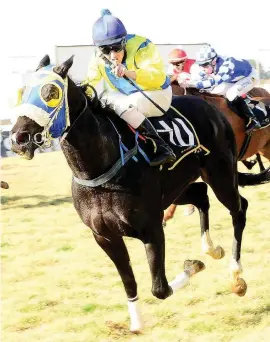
(207, 243)
(136, 322)
(179, 282)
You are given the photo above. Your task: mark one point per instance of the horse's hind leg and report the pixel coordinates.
(117, 251)
(196, 194)
(217, 169)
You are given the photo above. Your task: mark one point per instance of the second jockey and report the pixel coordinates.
(230, 77)
(119, 54)
(181, 68)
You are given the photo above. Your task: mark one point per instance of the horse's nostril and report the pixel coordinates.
(23, 137)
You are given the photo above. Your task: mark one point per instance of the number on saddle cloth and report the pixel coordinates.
(175, 130)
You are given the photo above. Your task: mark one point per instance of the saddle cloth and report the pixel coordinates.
(176, 131)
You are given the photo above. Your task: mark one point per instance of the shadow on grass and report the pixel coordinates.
(264, 309)
(45, 201)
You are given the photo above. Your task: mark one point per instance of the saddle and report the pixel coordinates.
(260, 110)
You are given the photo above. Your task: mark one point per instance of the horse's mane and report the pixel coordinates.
(95, 103)
(180, 91)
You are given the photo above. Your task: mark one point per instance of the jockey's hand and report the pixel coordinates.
(119, 70)
(182, 83)
(185, 83)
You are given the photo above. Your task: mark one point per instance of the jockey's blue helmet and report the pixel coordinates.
(108, 30)
(205, 55)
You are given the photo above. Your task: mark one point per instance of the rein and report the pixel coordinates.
(125, 156)
(81, 113)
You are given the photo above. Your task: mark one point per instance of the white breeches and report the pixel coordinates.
(241, 87)
(121, 102)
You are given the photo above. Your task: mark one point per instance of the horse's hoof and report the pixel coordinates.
(136, 327)
(219, 253)
(4, 185)
(193, 266)
(136, 330)
(239, 287)
(222, 252)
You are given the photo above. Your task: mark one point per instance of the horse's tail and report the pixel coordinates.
(249, 179)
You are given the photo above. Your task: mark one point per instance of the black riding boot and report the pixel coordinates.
(164, 153)
(247, 111)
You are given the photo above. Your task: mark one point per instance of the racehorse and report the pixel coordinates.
(259, 142)
(130, 201)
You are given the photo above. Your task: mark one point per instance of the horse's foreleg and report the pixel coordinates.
(155, 250)
(116, 249)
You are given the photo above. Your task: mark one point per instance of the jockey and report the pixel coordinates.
(230, 77)
(120, 54)
(180, 66)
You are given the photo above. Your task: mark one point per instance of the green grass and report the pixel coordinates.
(58, 285)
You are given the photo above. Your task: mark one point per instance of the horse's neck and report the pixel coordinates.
(90, 146)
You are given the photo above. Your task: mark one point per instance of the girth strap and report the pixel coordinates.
(105, 177)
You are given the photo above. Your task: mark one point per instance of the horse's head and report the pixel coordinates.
(43, 113)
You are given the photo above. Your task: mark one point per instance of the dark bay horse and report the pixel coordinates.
(131, 203)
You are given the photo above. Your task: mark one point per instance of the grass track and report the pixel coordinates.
(58, 285)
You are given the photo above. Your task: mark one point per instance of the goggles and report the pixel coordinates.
(107, 49)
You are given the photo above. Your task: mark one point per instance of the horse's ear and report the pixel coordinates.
(44, 62)
(63, 69)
